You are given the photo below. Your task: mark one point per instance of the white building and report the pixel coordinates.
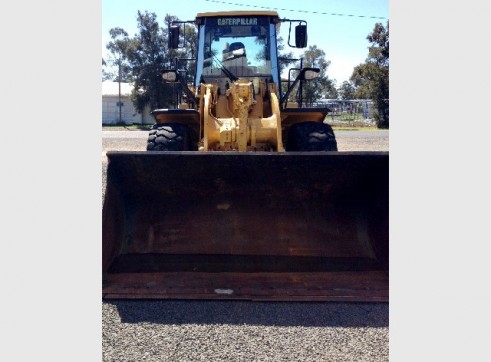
(110, 108)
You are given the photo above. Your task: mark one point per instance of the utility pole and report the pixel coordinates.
(119, 97)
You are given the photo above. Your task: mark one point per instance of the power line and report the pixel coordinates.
(299, 11)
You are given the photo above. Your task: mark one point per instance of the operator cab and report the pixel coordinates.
(240, 45)
(232, 47)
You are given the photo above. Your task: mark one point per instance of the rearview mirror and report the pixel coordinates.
(301, 36)
(173, 36)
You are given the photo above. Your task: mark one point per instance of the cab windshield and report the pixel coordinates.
(237, 47)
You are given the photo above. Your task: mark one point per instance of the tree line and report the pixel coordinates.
(140, 58)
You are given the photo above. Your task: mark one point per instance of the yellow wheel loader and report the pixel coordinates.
(242, 193)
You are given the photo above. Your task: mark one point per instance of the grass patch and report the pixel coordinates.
(351, 125)
(128, 127)
(354, 128)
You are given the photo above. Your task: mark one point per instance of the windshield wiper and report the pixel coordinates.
(227, 72)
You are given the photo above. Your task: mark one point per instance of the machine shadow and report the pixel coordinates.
(280, 314)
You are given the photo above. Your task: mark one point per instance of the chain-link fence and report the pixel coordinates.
(350, 112)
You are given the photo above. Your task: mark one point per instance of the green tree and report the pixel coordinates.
(147, 58)
(106, 73)
(117, 67)
(347, 91)
(371, 79)
(286, 58)
(331, 92)
(145, 55)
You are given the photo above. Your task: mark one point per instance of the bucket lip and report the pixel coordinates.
(370, 286)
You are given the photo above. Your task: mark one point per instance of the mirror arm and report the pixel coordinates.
(300, 76)
(188, 92)
(290, 28)
(287, 94)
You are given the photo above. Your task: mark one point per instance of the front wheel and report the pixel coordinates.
(311, 137)
(169, 137)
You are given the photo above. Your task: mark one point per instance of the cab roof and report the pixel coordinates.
(236, 13)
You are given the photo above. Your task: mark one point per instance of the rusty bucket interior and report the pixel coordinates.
(253, 226)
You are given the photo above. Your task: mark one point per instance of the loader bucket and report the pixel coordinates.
(254, 226)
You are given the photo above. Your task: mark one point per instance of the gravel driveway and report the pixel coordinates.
(139, 330)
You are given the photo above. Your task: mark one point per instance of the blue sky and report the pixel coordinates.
(342, 36)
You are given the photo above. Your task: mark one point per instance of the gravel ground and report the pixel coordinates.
(244, 331)
(136, 330)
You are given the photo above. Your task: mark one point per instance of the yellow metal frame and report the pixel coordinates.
(239, 121)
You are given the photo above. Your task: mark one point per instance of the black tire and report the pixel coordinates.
(311, 137)
(169, 137)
